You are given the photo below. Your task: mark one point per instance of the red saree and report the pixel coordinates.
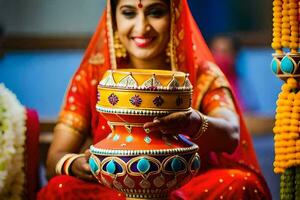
(222, 176)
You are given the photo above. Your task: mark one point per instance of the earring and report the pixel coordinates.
(119, 48)
(168, 52)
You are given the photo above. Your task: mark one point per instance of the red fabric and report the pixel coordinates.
(31, 154)
(223, 184)
(211, 185)
(191, 55)
(70, 188)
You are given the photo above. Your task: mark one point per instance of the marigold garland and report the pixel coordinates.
(277, 15)
(12, 139)
(286, 43)
(287, 127)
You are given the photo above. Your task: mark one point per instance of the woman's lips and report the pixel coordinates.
(142, 42)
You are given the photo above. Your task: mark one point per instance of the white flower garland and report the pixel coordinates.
(12, 139)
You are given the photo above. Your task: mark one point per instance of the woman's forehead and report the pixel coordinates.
(144, 2)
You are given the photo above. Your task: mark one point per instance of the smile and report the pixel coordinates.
(143, 42)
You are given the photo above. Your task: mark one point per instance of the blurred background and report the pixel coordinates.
(42, 43)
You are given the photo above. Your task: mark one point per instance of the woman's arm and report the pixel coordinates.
(67, 140)
(223, 132)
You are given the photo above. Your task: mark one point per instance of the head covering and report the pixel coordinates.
(189, 53)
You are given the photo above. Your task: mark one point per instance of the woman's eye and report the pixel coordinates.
(157, 12)
(129, 14)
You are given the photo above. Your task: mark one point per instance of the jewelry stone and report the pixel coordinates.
(129, 138)
(113, 99)
(158, 101)
(116, 137)
(111, 167)
(93, 165)
(147, 139)
(143, 165)
(136, 100)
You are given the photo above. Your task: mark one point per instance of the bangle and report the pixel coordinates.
(203, 128)
(64, 164)
(61, 162)
(69, 161)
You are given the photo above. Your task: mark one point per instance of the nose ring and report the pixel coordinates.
(148, 28)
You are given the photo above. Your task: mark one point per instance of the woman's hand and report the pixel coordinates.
(186, 123)
(80, 168)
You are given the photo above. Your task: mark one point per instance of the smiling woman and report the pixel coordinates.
(142, 31)
(155, 34)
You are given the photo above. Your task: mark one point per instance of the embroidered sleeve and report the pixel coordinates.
(220, 97)
(213, 90)
(76, 108)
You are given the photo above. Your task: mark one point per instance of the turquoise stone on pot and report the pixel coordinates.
(111, 167)
(93, 165)
(129, 138)
(176, 165)
(196, 163)
(143, 165)
(274, 66)
(287, 65)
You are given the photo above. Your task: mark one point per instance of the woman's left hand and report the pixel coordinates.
(176, 123)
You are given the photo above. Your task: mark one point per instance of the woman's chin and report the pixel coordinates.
(147, 53)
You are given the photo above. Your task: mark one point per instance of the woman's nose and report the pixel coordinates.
(142, 25)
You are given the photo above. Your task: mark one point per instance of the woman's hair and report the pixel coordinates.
(114, 4)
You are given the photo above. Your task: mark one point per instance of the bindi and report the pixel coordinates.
(140, 5)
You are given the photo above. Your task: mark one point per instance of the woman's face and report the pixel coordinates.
(144, 31)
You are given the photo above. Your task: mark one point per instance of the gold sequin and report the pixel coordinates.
(77, 77)
(221, 180)
(181, 34)
(71, 99)
(74, 89)
(94, 82)
(97, 59)
(194, 47)
(73, 108)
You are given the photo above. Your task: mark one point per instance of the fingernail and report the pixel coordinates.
(156, 121)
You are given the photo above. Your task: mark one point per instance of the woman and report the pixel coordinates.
(155, 34)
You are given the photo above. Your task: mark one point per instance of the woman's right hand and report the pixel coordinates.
(80, 168)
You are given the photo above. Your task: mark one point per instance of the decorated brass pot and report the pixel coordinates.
(140, 164)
